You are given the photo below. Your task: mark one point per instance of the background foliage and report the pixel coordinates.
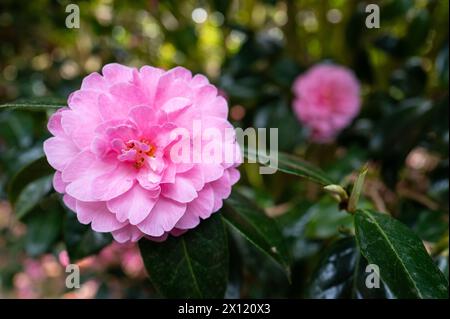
(252, 50)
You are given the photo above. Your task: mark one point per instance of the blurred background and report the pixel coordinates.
(252, 50)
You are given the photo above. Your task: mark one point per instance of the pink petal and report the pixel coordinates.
(85, 102)
(176, 104)
(115, 72)
(54, 123)
(95, 82)
(127, 233)
(222, 186)
(59, 151)
(202, 207)
(163, 217)
(182, 190)
(234, 175)
(58, 183)
(78, 166)
(149, 81)
(100, 147)
(81, 189)
(143, 117)
(195, 176)
(134, 205)
(199, 80)
(70, 120)
(212, 172)
(114, 183)
(70, 202)
(101, 219)
(110, 109)
(148, 179)
(127, 95)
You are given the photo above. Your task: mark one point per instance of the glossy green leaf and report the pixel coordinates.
(81, 241)
(262, 231)
(31, 195)
(431, 226)
(35, 104)
(33, 171)
(403, 261)
(341, 273)
(194, 265)
(44, 225)
(293, 225)
(326, 220)
(288, 164)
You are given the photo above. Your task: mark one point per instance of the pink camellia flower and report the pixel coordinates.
(326, 100)
(112, 151)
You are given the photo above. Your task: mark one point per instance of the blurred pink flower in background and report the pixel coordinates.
(111, 149)
(327, 99)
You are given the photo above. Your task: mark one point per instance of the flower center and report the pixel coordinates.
(137, 152)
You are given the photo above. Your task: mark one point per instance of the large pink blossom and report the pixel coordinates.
(112, 152)
(327, 98)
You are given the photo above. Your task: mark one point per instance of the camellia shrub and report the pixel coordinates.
(258, 149)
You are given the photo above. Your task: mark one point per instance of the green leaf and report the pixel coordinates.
(31, 195)
(418, 31)
(326, 220)
(288, 164)
(262, 231)
(278, 114)
(341, 273)
(404, 264)
(44, 226)
(194, 265)
(431, 225)
(35, 104)
(81, 241)
(33, 171)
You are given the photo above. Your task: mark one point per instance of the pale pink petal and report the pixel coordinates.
(114, 183)
(149, 82)
(78, 166)
(54, 123)
(127, 233)
(101, 219)
(182, 190)
(163, 217)
(81, 189)
(95, 82)
(143, 117)
(234, 175)
(134, 205)
(59, 151)
(195, 176)
(199, 80)
(176, 104)
(115, 73)
(58, 183)
(70, 202)
(211, 172)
